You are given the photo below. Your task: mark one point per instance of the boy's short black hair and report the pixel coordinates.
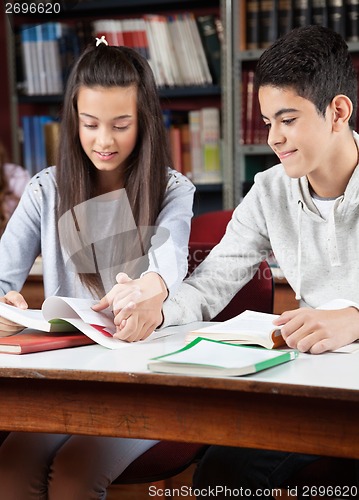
(315, 62)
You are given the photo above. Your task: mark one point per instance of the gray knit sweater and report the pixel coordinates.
(318, 257)
(33, 230)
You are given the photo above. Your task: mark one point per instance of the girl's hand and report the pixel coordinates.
(124, 292)
(137, 305)
(317, 331)
(9, 327)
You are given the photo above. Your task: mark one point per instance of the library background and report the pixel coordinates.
(203, 54)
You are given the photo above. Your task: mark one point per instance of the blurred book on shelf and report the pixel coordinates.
(266, 20)
(44, 53)
(172, 45)
(40, 142)
(52, 137)
(211, 146)
(195, 142)
(208, 29)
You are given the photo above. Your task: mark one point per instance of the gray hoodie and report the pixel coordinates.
(318, 257)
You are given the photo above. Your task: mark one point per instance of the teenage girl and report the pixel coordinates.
(113, 165)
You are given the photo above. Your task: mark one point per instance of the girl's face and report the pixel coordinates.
(108, 129)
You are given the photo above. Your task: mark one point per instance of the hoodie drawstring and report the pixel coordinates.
(332, 236)
(299, 252)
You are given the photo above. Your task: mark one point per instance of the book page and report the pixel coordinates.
(102, 337)
(98, 326)
(246, 325)
(67, 308)
(349, 348)
(26, 317)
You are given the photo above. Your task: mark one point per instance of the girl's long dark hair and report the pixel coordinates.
(146, 170)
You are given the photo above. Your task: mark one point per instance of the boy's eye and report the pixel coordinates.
(288, 121)
(266, 125)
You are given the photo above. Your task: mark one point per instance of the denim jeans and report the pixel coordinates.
(226, 472)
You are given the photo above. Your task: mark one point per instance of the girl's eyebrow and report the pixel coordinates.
(121, 117)
(282, 112)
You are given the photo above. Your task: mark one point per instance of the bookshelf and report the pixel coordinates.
(211, 195)
(251, 153)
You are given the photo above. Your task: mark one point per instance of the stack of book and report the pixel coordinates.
(181, 49)
(266, 20)
(195, 141)
(46, 52)
(40, 142)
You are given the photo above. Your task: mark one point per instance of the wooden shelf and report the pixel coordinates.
(170, 93)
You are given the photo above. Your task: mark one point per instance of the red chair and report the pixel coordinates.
(167, 459)
(258, 294)
(210, 227)
(164, 460)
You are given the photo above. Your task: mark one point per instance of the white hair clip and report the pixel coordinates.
(101, 40)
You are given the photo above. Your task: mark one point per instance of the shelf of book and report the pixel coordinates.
(250, 150)
(204, 91)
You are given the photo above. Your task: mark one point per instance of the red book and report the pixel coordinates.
(37, 341)
(128, 33)
(175, 143)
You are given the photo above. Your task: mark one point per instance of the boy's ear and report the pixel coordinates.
(342, 108)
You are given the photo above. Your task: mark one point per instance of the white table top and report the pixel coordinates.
(334, 370)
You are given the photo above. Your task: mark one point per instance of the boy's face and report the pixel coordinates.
(298, 135)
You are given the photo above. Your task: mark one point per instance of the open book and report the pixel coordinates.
(252, 327)
(217, 359)
(249, 327)
(60, 314)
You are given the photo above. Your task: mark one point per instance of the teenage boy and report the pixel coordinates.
(305, 210)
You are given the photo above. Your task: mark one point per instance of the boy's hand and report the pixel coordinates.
(317, 331)
(9, 327)
(137, 305)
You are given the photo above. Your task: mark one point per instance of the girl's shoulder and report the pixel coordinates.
(46, 177)
(43, 183)
(176, 180)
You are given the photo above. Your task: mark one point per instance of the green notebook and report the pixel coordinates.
(212, 358)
